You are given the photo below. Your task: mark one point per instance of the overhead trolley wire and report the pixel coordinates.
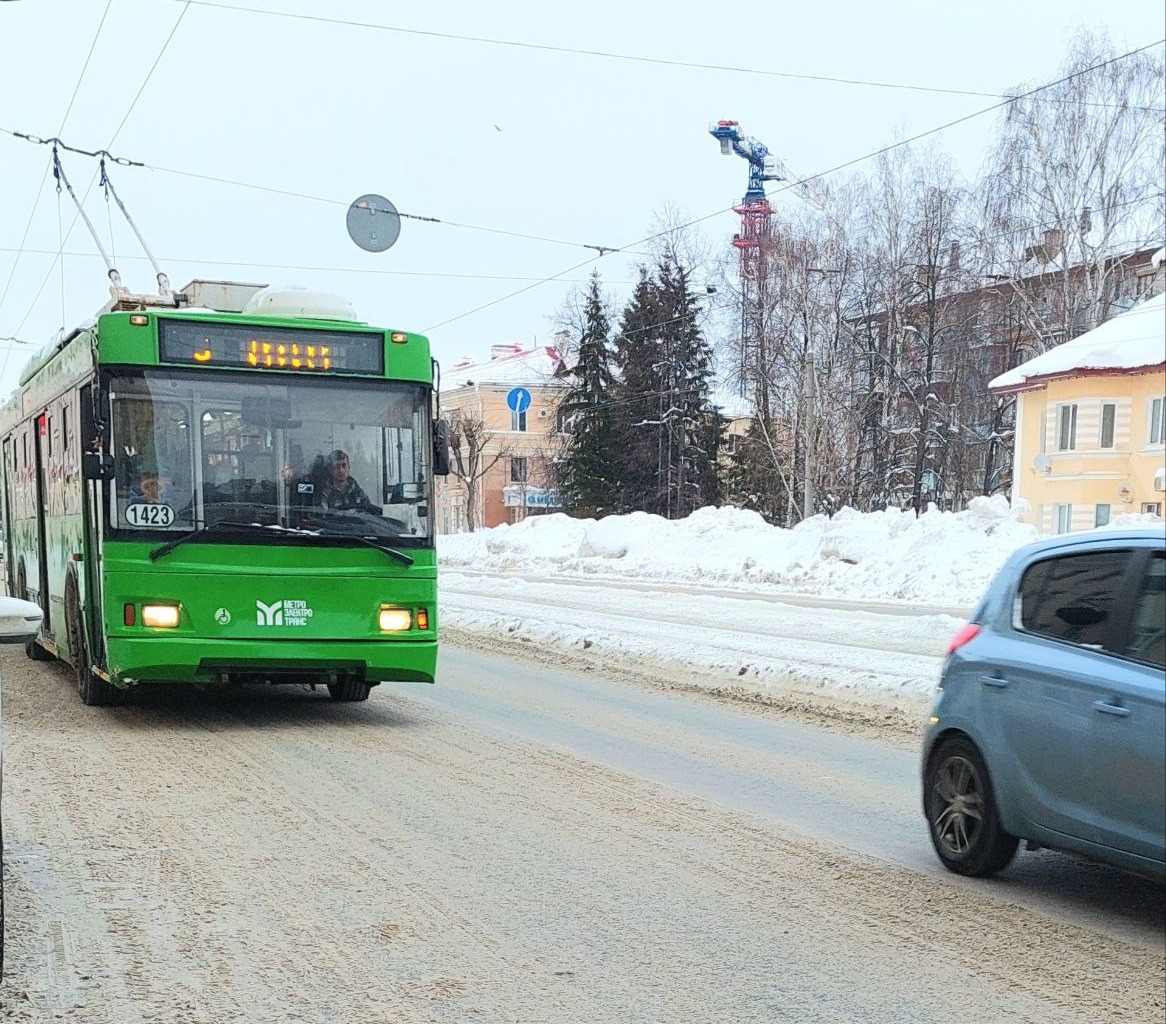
(48, 167)
(812, 177)
(604, 54)
(113, 139)
(291, 193)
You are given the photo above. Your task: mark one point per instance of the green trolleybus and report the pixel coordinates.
(231, 485)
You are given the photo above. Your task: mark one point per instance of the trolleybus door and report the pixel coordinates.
(40, 440)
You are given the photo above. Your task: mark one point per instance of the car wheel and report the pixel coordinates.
(961, 811)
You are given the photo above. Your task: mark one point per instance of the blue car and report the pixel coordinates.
(1049, 724)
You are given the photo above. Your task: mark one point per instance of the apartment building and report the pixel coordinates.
(1090, 423)
(504, 437)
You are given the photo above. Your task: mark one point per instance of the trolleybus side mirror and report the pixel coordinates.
(95, 463)
(19, 620)
(440, 448)
(97, 466)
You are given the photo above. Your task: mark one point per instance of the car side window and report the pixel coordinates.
(1147, 641)
(1070, 598)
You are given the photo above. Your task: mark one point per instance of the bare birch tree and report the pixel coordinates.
(472, 455)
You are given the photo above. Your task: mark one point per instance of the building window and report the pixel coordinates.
(518, 471)
(1153, 508)
(1101, 515)
(1066, 428)
(518, 420)
(1064, 518)
(1108, 410)
(1156, 425)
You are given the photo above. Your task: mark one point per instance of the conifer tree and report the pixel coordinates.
(667, 431)
(589, 470)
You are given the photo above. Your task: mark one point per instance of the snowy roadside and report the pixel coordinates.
(857, 608)
(872, 672)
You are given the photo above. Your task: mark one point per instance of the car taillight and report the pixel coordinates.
(969, 631)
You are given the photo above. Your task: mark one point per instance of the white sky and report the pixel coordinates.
(589, 149)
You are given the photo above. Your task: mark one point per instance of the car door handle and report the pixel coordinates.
(998, 681)
(1111, 709)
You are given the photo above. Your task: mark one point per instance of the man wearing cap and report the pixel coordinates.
(340, 491)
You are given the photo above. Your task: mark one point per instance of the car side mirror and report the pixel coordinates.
(440, 448)
(19, 620)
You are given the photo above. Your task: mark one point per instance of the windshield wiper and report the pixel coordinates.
(371, 542)
(170, 545)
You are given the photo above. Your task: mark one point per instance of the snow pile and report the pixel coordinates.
(940, 558)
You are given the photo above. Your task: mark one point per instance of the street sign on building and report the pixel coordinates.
(517, 496)
(518, 399)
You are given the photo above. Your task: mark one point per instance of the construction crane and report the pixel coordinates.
(754, 208)
(753, 242)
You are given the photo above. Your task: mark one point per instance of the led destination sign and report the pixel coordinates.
(258, 347)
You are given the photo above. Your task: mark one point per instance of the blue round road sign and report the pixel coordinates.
(518, 399)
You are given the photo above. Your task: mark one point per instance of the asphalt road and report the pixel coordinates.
(518, 843)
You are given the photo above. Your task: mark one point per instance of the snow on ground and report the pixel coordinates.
(938, 558)
(858, 602)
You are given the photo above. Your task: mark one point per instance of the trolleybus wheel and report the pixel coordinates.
(94, 690)
(348, 689)
(32, 649)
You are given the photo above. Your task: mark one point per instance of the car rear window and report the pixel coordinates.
(1071, 598)
(1147, 640)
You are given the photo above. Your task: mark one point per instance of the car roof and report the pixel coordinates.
(1139, 535)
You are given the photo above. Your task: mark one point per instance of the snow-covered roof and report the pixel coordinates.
(535, 366)
(1136, 339)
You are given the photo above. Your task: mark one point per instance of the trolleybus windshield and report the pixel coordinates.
(329, 455)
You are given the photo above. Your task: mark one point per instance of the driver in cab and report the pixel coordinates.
(340, 492)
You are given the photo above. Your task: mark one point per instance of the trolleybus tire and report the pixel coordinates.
(37, 653)
(93, 690)
(349, 689)
(32, 649)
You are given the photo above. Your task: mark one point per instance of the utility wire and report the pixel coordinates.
(812, 177)
(305, 267)
(605, 54)
(38, 140)
(48, 167)
(113, 139)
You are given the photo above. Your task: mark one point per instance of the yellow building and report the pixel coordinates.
(504, 438)
(1090, 424)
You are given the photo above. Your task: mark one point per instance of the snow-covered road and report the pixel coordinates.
(766, 640)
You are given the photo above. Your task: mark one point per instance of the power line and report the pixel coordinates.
(38, 140)
(113, 139)
(304, 267)
(45, 176)
(812, 177)
(150, 73)
(605, 54)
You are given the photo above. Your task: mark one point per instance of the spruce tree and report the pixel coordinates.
(589, 477)
(667, 431)
(636, 408)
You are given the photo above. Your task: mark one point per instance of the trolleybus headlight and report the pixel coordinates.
(395, 620)
(163, 615)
